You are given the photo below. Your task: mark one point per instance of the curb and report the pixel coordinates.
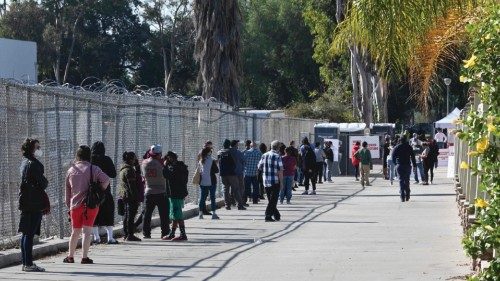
(53, 246)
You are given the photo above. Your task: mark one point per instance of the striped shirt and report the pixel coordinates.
(252, 157)
(270, 164)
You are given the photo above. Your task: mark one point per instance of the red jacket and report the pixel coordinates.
(355, 161)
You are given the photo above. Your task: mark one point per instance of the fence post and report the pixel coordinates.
(46, 155)
(89, 123)
(75, 124)
(137, 125)
(7, 161)
(116, 138)
(58, 169)
(29, 117)
(254, 127)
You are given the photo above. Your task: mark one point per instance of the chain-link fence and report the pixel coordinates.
(63, 118)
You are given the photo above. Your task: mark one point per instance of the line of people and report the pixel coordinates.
(161, 182)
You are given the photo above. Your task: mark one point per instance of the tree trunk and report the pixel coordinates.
(165, 68)
(355, 89)
(71, 48)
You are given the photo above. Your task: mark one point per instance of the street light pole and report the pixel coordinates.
(447, 82)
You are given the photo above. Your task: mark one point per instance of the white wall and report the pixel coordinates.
(18, 60)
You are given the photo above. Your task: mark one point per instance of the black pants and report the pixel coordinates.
(310, 176)
(160, 201)
(272, 204)
(319, 169)
(29, 225)
(428, 167)
(129, 217)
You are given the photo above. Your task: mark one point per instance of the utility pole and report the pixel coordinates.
(447, 82)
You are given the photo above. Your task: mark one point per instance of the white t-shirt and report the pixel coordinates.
(440, 137)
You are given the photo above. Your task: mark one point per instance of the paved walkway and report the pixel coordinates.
(343, 233)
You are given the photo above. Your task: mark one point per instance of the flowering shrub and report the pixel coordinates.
(480, 130)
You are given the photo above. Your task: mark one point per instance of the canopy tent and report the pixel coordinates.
(447, 122)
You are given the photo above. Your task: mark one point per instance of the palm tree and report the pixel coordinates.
(218, 48)
(391, 37)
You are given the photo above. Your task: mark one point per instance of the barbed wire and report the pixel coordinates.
(115, 87)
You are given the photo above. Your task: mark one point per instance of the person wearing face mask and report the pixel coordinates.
(129, 191)
(208, 182)
(33, 201)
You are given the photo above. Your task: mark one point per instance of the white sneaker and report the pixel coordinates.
(33, 268)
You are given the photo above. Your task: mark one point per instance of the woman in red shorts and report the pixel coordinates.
(77, 186)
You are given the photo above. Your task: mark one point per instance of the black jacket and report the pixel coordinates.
(102, 161)
(33, 185)
(403, 154)
(177, 178)
(329, 153)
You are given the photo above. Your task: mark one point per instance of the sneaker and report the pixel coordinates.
(96, 241)
(320, 182)
(246, 205)
(277, 218)
(215, 217)
(200, 216)
(33, 268)
(313, 192)
(392, 183)
(205, 212)
(417, 182)
(133, 238)
(269, 219)
(368, 184)
(281, 201)
(180, 238)
(288, 202)
(168, 237)
(241, 208)
(228, 207)
(146, 236)
(305, 193)
(68, 260)
(113, 242)
(262, 197)
(432, 182)
(87, 261)
(356, 179)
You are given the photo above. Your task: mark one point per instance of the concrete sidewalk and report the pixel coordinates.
(343, 233)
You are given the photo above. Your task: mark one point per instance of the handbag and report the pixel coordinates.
(95, 195)
(197, 176)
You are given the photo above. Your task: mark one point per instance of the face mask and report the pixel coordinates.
(38, 153)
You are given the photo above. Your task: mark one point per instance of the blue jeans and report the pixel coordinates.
(301, 175)
(249, 183)
(404, 172)
(28, 225)
(287, 189)
(420, 168)
(390, 166)
(203, 197)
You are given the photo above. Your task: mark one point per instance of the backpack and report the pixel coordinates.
(95, 196)
(309, 157)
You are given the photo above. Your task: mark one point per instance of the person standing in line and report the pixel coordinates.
(129, 192)
(416, 144)
(404, 157)
(289, 168)
(272, 172)
(297, 175)
(355, 160)
(230, 182)
(329, 160)
(78, 179)
(176, 173)
(262, 149)
(433, 154)
(426, 161)
(239, 170)
(365, 158)
(248, 144)
(106, 216)
(33, 201)
(308, 166)
(440, 138)
(208, 182)
(390, 163)
(320, 160)
(386, 151)
(208, 144)
(142, 188)
(155, 193)
(252, 158)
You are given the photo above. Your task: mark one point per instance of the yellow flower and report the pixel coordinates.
(488, 36)
(489, 228)
(481, 203)
(473, 153)
(464, 79)
(482, 145)
(464, 166)
(470, 62)
(492, 128)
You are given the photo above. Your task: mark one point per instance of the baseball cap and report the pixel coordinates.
(156, 149)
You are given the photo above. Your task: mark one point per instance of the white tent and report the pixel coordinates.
(447, 122)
